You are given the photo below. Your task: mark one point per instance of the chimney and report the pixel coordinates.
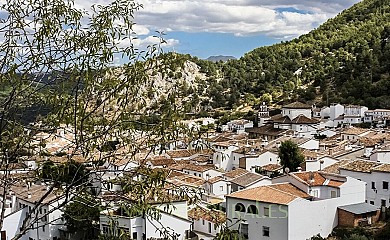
(29, 195)
(311, 177)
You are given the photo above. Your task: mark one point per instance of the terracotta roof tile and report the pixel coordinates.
(210, 215)
(276, 193)
(355, 131)
(247, 179)
(215, 179)
(335, 168)
(235, 173)
(302, 119)
(297, 105)
(384, 167)
(360, 166)
(310, 178)
(271, 167)
(267, 130)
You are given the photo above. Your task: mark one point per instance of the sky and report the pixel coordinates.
(227, 27)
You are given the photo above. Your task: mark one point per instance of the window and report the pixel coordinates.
(253, 209)
(244, 230)
(43, 228)
(203, 221)
(266, 211)
(240, 207)
(265, 231)
(221, 188)
(383, 203)
(373, 185)
(333, 194)
(385, 185)
(315, 193)
(105, 229)
(372, 202)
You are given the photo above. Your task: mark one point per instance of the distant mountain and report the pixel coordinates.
(346, 60)
(220, 58)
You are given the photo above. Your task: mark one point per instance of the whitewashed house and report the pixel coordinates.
(238, 126)
(335, 111)
(44, 222)
(222, 155)
(216, 186)
(248, 180)
(265, 157)
(320, 163)
(297, 117)
(173, 220)
(375, 175)
(377, 115)
(203, 171)
(208, 222)
(291, 209)
(325, 112)
(380, 155)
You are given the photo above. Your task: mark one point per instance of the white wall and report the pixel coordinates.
(335, 111)
(312, 144)
(261, 160)
(381, 156)
(308, 218)
(315, 165)
(175, 224)
(372, 195)
(207, 227)
(293, 113)
(13, 222)
(325, 112)
(277, 220)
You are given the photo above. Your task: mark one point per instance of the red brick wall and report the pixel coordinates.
(346, 219)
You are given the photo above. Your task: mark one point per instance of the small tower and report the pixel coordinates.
(263, 115)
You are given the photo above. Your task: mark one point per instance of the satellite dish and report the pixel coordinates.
(286, 170)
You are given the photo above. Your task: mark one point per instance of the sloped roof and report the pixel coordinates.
(360, 166)
(247, 179)
(281, 119)
(355, 131)
(316, 179)
(302, 119)
(335, 168)
(215, 179)
(384, 167)
(235, 173)
(359, 208)
(271, 167)
(267, 130)
(276, 193)
(297, 105)
(210, 215)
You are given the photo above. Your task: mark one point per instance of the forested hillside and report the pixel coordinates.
(347, 60)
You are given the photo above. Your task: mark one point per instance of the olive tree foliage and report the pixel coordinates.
(56, 70)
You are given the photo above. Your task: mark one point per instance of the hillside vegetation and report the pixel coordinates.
(346, 60)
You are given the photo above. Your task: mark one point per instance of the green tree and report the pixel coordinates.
(82, 216)
(290, 155)
(57, 78)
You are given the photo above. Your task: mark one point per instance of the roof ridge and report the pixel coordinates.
(270, 186)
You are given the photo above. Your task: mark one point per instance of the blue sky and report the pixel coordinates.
(227, 27)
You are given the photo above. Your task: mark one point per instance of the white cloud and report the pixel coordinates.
(240, 17)
(142, 43)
